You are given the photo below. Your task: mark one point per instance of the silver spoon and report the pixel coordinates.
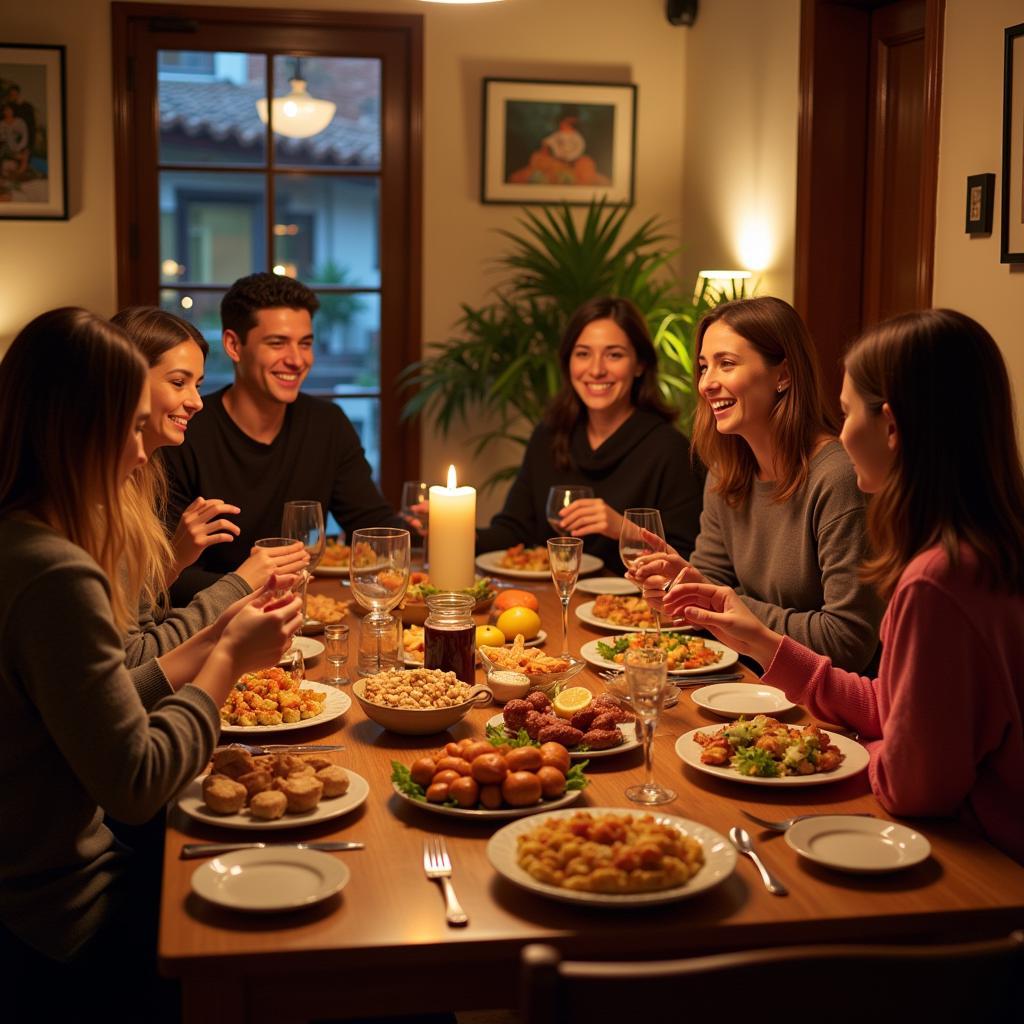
(740, 838)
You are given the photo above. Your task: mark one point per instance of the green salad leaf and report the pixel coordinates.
(575, 779)
(608, 651)
(755, 761)
(481, 590)
(402, 778)
(498, 737)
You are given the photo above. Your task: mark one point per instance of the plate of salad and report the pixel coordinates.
(687, 655)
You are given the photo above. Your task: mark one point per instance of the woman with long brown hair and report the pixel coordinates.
(607, 428)
(783, 521)
(929, 427)
(81, 737)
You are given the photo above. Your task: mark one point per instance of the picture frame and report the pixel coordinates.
(981, 190)
(549, 142)
(1012, 214)
(33, 133)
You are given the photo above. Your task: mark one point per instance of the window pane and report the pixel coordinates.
(351, 138)
(208, 107)
(203, 310)
(365, 416)
(326, 229)
(347, 343)
(212, 227)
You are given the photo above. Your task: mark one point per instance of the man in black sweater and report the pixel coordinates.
(259, 442)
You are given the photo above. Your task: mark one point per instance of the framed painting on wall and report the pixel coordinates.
(33, 182)
(1012, 243)
(555, 142)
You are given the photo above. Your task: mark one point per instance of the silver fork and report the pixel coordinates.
(438, 866)
(786, 823)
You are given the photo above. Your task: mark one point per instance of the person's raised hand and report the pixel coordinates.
(262, 629)
(287, 560)
(200, 527)
(586, 516)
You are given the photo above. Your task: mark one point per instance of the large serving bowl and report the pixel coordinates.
(418, 721)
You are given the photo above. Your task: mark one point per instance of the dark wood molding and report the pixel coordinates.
(934, 34)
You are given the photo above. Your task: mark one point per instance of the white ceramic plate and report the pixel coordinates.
(569, 797)
(862, 846)
(280, 878)
(535, 642)
(730, 700)
(629, 741)
(719, 863)
(607, 585)
(336, 704)
(856, 760)
(191, 802)
(585, 613)
(489, 562)
(311, 649)
(728, 657)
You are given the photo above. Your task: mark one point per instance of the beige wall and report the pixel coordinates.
(968, 274)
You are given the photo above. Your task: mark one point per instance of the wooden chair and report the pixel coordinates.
(968, 983)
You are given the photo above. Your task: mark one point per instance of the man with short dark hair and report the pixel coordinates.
(259, 442)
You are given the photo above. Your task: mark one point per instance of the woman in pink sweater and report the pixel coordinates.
(929, 428)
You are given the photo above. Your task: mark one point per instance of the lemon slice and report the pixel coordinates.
(571, 700)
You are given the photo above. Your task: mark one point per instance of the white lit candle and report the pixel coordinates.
(452, 535)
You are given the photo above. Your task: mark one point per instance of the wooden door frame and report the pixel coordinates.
(832, 169)
(406, 208)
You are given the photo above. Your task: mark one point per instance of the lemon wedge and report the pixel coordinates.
(571, 700)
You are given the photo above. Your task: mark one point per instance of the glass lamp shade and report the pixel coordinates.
(298, 115)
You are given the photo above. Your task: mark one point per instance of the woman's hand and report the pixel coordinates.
(262, 629)
(283, 561)
(722, 611)
(199, 528)
(588, 516)
(662, 567)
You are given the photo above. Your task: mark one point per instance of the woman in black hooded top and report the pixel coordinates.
(610, 429)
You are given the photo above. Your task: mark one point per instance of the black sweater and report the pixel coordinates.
(644, 464)
(316, 456)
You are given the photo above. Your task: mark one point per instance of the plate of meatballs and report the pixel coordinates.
(272, 791)
(601, 729)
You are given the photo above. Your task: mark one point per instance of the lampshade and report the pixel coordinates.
(298, 115)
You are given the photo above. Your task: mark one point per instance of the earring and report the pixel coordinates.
(779, 389)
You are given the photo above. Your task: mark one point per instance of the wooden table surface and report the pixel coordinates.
(382, 945)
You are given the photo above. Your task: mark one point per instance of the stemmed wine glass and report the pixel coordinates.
(304, 521)
(632, 544)
(380, 573)
(565, 554)
(416, 506)
(646, 672)
(562, 496)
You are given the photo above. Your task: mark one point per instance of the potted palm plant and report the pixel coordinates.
(504, 357)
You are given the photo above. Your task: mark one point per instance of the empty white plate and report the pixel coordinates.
(730, 700)
(277, 878)
(862, 846)
(607, 585)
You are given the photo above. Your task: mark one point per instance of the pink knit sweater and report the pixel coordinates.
(944, 716)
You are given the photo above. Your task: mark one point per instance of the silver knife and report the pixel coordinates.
(282, 748)
(192, 850)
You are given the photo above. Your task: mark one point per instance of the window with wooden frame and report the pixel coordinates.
(214, 182)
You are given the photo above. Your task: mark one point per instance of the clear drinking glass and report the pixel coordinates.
(416, 505)
(565, 554)
(562, 496)
(632, 544)
(379, 573)
(646, 677)
(276, 542)
(336, 651)
(304, 521)
(380, 645)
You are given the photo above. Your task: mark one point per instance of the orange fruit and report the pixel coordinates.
(519, 620)
(516, 599)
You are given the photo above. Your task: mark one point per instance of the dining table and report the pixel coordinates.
(382, 944)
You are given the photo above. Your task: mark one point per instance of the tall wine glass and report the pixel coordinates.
(379, 571)
(565, 554)
(304, 521)
(646, 672)
(416, 505)
(632, 544)
(562, 496)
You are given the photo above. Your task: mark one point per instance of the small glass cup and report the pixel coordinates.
(294, 664)
(380, 644)
(336, 650)
(280, 542)
(646, 672)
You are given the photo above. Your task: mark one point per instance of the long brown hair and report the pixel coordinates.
(566, 408)
(800, 415)
(69, 389)
(154, 332)
(957, 473)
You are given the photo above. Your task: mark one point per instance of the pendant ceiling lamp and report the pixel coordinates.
(297, 115)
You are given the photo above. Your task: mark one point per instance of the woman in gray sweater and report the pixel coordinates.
(783, 520)
(81, 736)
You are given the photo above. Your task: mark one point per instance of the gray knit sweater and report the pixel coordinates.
(796, 563)
(79, 735)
